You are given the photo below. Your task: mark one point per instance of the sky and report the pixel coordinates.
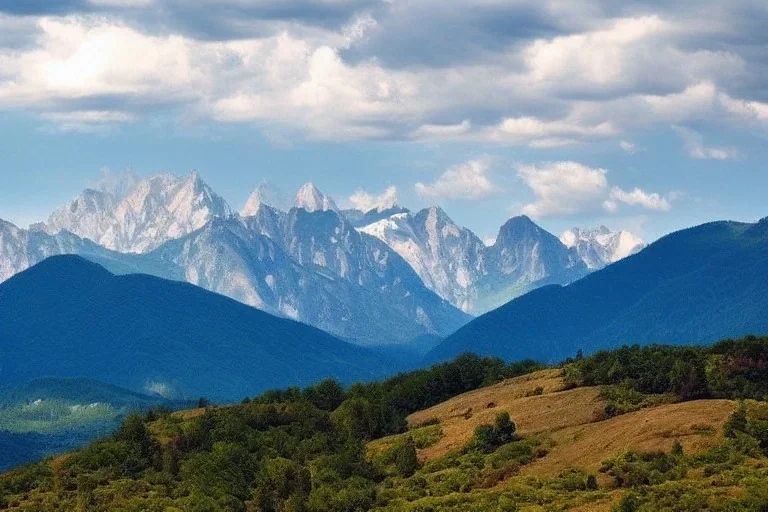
(643, 115)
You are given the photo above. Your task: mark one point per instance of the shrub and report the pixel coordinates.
(573, 480)
(537, 391)
(425, 437)
(623, 398)
(629, 503)
(634, 469)
(737, 422)
(406, 459)
(489, 437)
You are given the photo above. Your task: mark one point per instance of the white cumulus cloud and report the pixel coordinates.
(636, 197)
(568, 188)
(468, 180)
(365, 202)
(562, 188)
(364, 69)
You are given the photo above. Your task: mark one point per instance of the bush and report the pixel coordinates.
(405, 457)
(489, 437)
(537, 391)
(737, 422)
(573, 480)
(629, 503)
(635, 469)
(424, 437)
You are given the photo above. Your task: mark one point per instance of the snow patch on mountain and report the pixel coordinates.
(265, 194)
(600, 246)
(470, 274)
(153, 211)
(446, 257)
(311, 199)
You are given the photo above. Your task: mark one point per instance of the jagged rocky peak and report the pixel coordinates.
(265, 194)
(118, 184)
(435, 213)
(437, 224)
(192, 196)
(518, 228)
(571, 236)
(253, 203)
(310, 198)
(87, 215)
(600, 246)
(127, 215)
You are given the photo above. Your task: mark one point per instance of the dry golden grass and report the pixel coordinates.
(603, 505)
(551, 410)
(698, 425)
(188, 414)
(568, 419)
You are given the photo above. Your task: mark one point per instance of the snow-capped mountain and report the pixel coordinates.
(454, 263)
(313, 266)
(523, 257)
(309, 266)
(311, 199)
(264, 194)
(143, 216)
(22, 248)
(600, 246)
(382, 276)
(448, 258)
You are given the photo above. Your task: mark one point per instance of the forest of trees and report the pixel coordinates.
(305, 449)
(733, 369)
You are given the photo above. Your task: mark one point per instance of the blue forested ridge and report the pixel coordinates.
(68, 317)
(696, 286)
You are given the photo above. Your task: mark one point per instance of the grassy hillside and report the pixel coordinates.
(635, 429)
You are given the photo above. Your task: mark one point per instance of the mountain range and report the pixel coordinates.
(601, 246)
(383, 276)
(697, 285)
(69, 317)
(142, 214)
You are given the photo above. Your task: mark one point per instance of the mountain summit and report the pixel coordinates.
(698, 285)
(600, 246)
(311, 199)
(265, 194)
(454, 263)
(153, 211)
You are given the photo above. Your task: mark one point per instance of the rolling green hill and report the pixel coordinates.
(633, 429)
